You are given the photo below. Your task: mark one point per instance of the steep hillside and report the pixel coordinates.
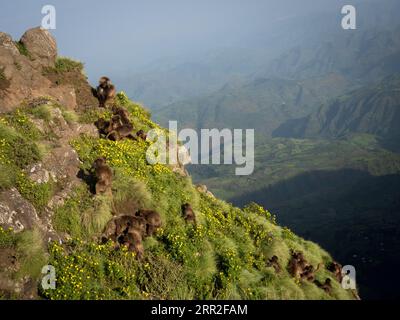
(46, 180)
(340, 193)
(373, 109)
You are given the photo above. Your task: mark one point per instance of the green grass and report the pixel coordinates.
(30, 253)
(22, 49)
(222, 257)
(2, 75)
(39, 194)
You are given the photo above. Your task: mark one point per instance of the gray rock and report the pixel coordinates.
(16, 212)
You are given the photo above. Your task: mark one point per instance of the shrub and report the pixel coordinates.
(22, 49)
(30, 253)
(15, 148)
(39, 194)
(64, 64)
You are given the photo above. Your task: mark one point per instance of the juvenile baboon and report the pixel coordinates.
(105, 91)
(188, 213)
(273, 262)
(326, 286)
(153, 220)
(123, 115)
(133, 240)
(141, 134)
(103, 176)
(119, 226)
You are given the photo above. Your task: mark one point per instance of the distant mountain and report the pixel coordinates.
(372, 109)
(361, 55)
(262, 104)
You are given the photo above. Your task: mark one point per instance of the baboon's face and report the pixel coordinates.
(99, 162)
(104, 82)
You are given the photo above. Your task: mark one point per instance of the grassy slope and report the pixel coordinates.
(223, 257)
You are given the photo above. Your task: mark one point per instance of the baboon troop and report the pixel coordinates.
(104, 175)
(188, 213)
(130, 230)
(119, 127)
(105, 91)
(273, 262)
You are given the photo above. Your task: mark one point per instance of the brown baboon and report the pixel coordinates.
(120, 126)
(103, 176)
(133, 240)
(105, 91)
(294, 268)
(309, 272)
(153, 220)
(326, 286)
(103, 126)
(141, 134)
(336, 269)
(120, 132)
(126, 223)
(188, 213)
(273, 262)
(117, 227)
(123, 114)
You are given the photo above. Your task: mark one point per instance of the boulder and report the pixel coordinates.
(16, 212)
(41, 46)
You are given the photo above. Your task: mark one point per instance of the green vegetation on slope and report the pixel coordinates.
(223, 256)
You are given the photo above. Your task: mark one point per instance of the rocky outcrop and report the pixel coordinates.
(23, 75)
(16, 212)
(41, 45)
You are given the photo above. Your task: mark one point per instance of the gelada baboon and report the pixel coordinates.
(295, 268)
(133, 240)
(121, 225)
(309, 272)
(336, 269)
(103, 176)
(153, 220)
(123, 115)
(105, 91)
(120, 125)
(103, 126)
(141, 134)
(118, 130)
(126, 223)
(326, 286)
(273, 262)
(188, 213)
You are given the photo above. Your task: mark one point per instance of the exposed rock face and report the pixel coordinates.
(41, 45)
(22, 75)
(16, 212)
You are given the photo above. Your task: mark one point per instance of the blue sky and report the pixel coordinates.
(123, 35)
